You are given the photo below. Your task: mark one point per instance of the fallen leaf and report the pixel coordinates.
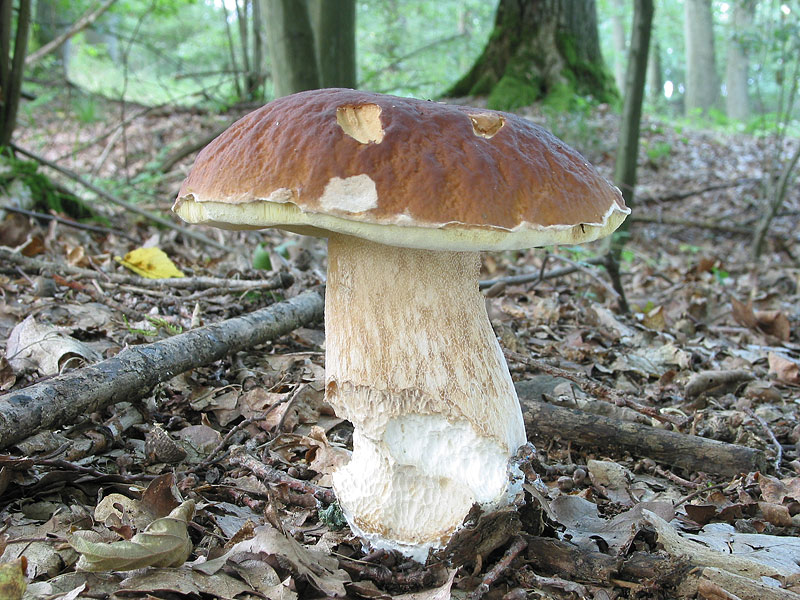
(784, 369)
(321, 570)
(44, 348)
(184, 582)
(164, 543)
(439, 593)
(12, 579)
(152, 263)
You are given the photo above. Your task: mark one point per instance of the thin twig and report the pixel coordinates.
(279, 280)
(697, 492)
(583, 269)
(539, 275)
(775, 443)
(595, 389)
(501, 567)
(272, 475)
(69, 222)
(122, 203)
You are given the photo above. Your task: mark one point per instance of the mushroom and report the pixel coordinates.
(408, 193)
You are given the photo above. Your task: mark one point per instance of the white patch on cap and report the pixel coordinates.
(352, 195)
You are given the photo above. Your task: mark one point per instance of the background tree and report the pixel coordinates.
(702, 83)
(13, 28)
(736, 66)
(311, 44)
(540, 50)
(291, 47)
(628, 148)
(334, 25)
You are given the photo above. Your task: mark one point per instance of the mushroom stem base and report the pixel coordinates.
(412, 361)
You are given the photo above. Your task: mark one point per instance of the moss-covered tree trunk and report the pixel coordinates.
(540, 50)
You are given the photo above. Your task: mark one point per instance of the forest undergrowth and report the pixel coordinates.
(229, 463)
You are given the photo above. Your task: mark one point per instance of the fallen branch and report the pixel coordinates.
(596, 389)
(539, 276)
(688, 452)
(121, 203)
(696, 223)
(136, 370)
(672, 197)
(272, 475)
(280, 280)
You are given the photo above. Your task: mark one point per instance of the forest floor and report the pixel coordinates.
(710, 352)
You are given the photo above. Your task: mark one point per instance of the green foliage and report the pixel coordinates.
(159, 325)
(511, 92)
(332, 516)
(658, 151)
(261, 258)
(46, 196)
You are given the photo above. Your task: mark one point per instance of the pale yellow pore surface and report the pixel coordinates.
(412, 361)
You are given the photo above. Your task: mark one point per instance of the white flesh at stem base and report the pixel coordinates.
(412, 361)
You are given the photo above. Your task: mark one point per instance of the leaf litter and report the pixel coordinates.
(713, 343)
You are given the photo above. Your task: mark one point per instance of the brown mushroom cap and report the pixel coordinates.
(399, 171)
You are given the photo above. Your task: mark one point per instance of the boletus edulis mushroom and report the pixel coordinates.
(408, 193)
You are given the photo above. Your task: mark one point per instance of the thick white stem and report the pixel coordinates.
(412, 361)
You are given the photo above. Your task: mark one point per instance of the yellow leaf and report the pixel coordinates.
(12, 579)
(152, 263)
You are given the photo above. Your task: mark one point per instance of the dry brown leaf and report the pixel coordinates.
(772, 322)
(164, 543)
(784, 369)
(776, 514)
(743, 314)
(44, 348)
(320, 569)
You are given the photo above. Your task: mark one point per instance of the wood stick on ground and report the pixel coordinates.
(136, 370)
(122, 203)
(68, 222)
(538, 275)
(683, 451)
(696, 192)
(496, 571)
(277, 281)
(596, 389)
(272, 475)
(696, 223)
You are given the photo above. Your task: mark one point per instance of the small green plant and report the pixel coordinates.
(657, 151)
(159, 325)
(86, 109)
(689, 248)
(332, 516)
(721, 275)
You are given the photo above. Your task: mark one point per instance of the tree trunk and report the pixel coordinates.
(655, 72)
(334, 26)
(12, 65)
(736, 101)
(702, 84)
(258, 47)
(291, 47)
(618, 32)
(540, 49)
(628, 149)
